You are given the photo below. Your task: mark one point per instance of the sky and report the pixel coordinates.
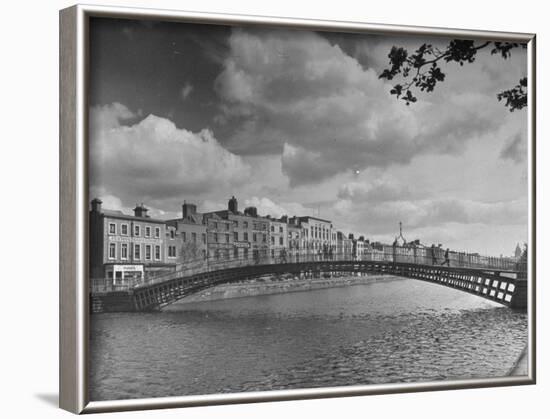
(299, 123)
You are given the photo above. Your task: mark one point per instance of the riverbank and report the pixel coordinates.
(279, 286)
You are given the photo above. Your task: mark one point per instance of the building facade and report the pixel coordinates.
(187, 236)
(344, 246)
(249, 231)
(126, 248)
(278, 238)
(317, 235)
(219, 238)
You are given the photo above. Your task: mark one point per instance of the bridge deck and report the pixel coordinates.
(493, 284)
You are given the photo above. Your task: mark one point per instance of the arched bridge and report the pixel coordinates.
(502, 286)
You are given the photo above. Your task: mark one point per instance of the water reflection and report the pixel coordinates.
(393, 331)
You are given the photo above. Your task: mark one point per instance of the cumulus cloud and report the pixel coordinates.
(380, 217)
(376, 191)
(112, 202)
(297, 95)
(153, 160)
(266, 206)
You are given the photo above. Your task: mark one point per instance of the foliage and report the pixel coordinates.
(421, 69)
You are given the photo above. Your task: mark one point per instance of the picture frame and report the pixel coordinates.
(74, 212)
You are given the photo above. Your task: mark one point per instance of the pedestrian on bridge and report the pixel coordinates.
(447, 260)
(434, 257)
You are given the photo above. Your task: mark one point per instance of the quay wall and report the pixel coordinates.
(267, 287)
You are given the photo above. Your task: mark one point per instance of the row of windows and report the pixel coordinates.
(255, 237)
(193, 237)
(320, 232)
(124, 249)
(280, 240)
(216, 224)
(273, 229)
(256, 226)
(137, 230)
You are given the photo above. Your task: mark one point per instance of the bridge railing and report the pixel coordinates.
(412, 255)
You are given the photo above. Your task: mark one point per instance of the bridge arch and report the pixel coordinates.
(503, 287)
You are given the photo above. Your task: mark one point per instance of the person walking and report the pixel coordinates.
(434, 257)
(447, 260)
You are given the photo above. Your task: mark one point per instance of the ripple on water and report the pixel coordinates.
(399, 331)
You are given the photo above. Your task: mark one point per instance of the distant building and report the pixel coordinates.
(187, 236)
(249, 232)
(359, 248)
(295, 238)
(344, 246)
(278, 238)
(126, 248)
(518, 252)
(219, 237)
(318, 234)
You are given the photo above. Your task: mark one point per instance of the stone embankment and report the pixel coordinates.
(271, 285)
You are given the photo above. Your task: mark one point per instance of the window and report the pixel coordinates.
(204, 238)
(112, 250)
(184, 236)
(215, 226)
(147, 231)
(236, 252)
(172, 234)
(236, 223)
(157, 232)
(147, 252)
(272, 240)
(264, 238)
(227, 226)
(112, 228)
(216, 237)
(272, 253)
(280, 229)
(245, 237)
(236, 236)
(124, 251)
(245, 224)
(245, 253)
(254, 237)
(281, 241)
(171, 251)
(272, 229)
(137, 230)
(157, 252)
(124, 229)
(227, 238)
(137, 251)
(194, 237)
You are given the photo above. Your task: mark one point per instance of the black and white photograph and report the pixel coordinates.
(277, 208)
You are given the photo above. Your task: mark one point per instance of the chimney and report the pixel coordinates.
(140, 211)
(96, 205)
(233, 205)
(251, 211)
(188, 210)
(284, 219)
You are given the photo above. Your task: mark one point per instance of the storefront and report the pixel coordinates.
(124, 274)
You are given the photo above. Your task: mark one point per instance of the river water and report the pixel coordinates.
(384, 332)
